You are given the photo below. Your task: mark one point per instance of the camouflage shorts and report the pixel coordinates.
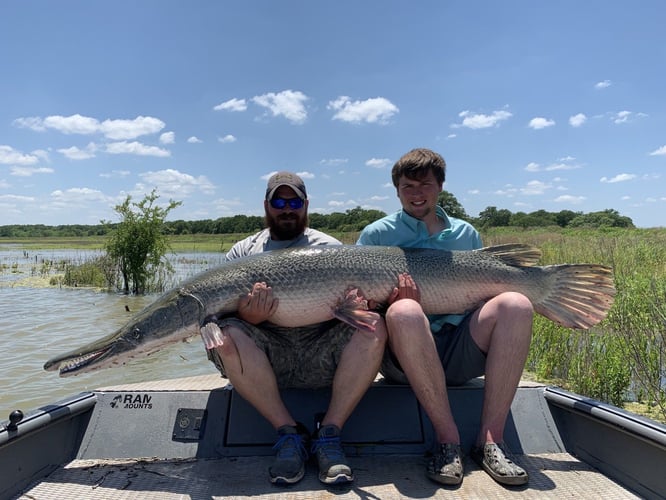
(303, 357)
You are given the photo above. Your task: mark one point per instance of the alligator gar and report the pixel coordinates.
(316, 284)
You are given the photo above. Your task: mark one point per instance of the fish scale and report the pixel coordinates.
(311, 283)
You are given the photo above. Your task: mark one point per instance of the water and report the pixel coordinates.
(37, 323)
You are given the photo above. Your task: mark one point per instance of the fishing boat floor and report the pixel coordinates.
(215, 467)
(557, 475)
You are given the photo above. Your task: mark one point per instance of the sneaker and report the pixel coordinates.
(290, 457)
(446, 466)
(495, 459)
(333, 468)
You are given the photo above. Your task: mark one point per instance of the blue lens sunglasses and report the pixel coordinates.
(281, 203)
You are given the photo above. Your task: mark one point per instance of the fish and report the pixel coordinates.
(353, 283)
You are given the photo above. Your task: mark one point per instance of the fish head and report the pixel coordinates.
(159, 324)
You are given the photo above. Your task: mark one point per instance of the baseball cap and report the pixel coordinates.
(286, 179)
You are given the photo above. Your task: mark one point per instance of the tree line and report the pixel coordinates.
(351, 220)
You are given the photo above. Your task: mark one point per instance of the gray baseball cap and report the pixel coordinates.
(286, 179)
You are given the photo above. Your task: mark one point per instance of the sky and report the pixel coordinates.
(534, 105)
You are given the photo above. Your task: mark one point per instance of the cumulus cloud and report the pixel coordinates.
(288, 103)
(85, 125)
(535, 188)
(562, 165)
(136, 148)
(168, 138)
(226, 139)
(75, 153)
(539, 122)
(10, 156)
(567, 198)
(480, 120)
(131, 129)
(375, 110)
(603, 84)
(194, 140)
(232, 105)
(656, 152)
(172, 183)
(29, 171)
(76, 195)
(577, 120)
(378, 162)
(618, 178)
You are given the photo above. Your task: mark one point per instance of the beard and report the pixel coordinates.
(286, 226)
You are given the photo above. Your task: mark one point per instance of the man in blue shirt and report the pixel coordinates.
(431, 352)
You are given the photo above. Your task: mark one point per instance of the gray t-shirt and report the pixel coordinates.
(262, 242)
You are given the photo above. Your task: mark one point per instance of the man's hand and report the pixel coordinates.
(258, 305)
(406, 289)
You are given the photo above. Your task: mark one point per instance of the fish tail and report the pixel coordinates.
(580, 297)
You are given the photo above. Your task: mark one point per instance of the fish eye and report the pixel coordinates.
(136, 333)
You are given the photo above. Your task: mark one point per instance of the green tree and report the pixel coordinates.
(451, 205)
(138, 243)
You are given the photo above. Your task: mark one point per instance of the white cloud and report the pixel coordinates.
(29, 171)
(79, 194)
(10, 156)
(540, 122)
(288, 103)
(622, 117)
(174, 184)
(73, 124)
(232, 105)
(85, 125)
(375, 110)
(14, 198)
(603, 84)
(226, 139)
(567, 198)
(480, 120)
(577, 120)
(378, 162)
(168, 138)
(618, 178)
(533, 167)
(334, 162)
(135, 148)
(659, 151)
(534, 188)
(131, 129)
(75, 153)
(115, 174)
(194, 140)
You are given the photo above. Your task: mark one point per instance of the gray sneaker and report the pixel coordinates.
(290, 457)
(333, 468)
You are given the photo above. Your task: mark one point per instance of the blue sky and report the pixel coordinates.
(533, 104)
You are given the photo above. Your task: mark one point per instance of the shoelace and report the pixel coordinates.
(330, 446)
(289, 445)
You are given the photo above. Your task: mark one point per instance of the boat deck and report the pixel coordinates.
(556, 475)
(231, 456)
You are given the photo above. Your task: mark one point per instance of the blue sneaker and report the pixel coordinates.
(333, 468)
(290, 457)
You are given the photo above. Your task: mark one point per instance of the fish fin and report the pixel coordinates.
(514, 254)
(581, 296)
(353, 310)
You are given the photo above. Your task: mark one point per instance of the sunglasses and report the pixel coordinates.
(281, 203)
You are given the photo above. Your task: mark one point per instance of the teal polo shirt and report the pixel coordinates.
(402, 230)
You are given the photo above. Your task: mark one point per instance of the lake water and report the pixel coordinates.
(37, 323)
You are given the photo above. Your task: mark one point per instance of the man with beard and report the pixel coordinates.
(260, 358)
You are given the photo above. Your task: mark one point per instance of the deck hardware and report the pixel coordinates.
(189, 424)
